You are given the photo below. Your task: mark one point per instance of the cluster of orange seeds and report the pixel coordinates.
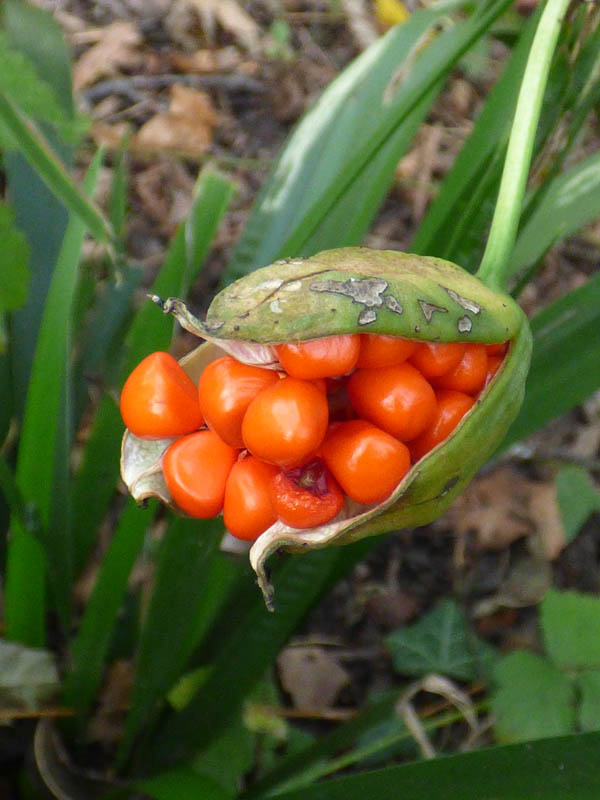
(347, 416)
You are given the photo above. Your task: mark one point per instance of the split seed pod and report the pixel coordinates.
(353, 290)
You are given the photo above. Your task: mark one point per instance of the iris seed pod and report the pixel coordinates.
(353, 290)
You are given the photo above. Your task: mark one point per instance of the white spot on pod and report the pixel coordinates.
(464, 302)
(429, 309)
(465, 324)
(294, 286)
(366, 316)
(270, 285)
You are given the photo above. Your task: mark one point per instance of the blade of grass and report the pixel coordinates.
(495, 262)
(34, 147)
(566, 354)
(43, 459)
(584, 93)
(171, 628)
(183, 784)
(25, 26)
(95, 482)
(38, 35)
(548, 769)
(488, 136)
(336, 141)
(428, 69)
(95, 633)
(570, 201)
(12, 494)
(100, 339)
(348, 221)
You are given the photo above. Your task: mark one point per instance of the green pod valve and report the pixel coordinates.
(355, 289)
(352, 290)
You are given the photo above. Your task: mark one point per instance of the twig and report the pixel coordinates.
(134, 84)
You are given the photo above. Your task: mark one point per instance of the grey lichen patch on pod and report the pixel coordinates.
(357, 289)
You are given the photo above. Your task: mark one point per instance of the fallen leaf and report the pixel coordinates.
(495, 507)
(166, 191)
(549, 540)
(223, 60)
(232, 18)
(115, 48)
(528, 580)
(187, 127)
(504, 506)
(109, 136)
(106, 725)
(360, 23)
(312, 678)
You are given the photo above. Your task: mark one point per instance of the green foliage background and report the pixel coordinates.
(205, 630)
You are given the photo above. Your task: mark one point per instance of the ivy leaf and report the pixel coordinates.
(588, 711)
(14, 255)
(571, 628)
(440, 642)
(533, 699)
(577, 499)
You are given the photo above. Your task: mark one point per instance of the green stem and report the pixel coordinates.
(321, 770)
(495, 264)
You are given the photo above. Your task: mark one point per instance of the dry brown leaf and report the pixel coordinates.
(109, 136)
(504, 506)
(223, 60)
(232, 18)
(359, 22)
(550, 539)
(106, 726)
(115, 48)
(495, 507)
(166, 191)
(187, 127)
(312, 678)
(527, 581)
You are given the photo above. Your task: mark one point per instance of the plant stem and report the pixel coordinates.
(495, 264)
(322, 769)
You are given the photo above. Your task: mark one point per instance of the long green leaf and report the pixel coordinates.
(94, 636)
(336, 141)
(25, 27)
(171, 630)
(43, 461)
(566, 353)
(35, 148)
(548, 769)
(454, 205)
(571, 201)
(183, 784)
(36, 33)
